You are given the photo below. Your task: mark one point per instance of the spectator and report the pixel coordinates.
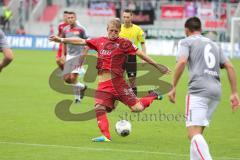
(147, 5)
(49, 2)
(21, 30)
(132, 6)
(51, 29)
(68, 2)
(7, 14)
(1, 15)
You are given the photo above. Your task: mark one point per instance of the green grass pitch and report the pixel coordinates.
(30, 130)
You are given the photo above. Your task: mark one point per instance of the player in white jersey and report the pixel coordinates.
(7, 52)
(204, 59)
(73, 65)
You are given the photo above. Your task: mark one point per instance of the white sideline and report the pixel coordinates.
(108, 149)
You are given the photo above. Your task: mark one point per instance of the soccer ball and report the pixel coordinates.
(123, 128)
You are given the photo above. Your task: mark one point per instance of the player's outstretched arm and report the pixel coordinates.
(77, 41)
(177, 75)
(234, 98)
(163, 69)
(8, 57)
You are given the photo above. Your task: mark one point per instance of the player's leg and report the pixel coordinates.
(132, 82)
(81, 74)
(8, 57)
(131, 69)
(195, 134)
(104, 102)
(196, 121)
(146, 101)
(71, 71)
(77, 70)
(79, 88)
(72, 79)
(60, 63)
(103, 124)
(127, 96)
(59, 60)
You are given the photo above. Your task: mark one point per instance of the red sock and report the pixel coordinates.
(103, 122)
(147, 100)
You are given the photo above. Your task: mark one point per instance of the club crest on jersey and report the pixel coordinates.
(125, 44)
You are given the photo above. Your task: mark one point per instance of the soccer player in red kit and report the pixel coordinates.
(60, 53)
(112, 54)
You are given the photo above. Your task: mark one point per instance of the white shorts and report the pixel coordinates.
(73, 64)
(199, 110)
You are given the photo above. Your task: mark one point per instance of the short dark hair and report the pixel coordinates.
(128, 11)
(72, 13)
(193, 24)
(65, 12)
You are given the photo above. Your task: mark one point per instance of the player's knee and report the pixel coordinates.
(60, 62)
(137, 108)
(67, 79)
(70, 78)
(9, 55)
(194, 130)
(189, 135)
(73, 77)
(99, 107)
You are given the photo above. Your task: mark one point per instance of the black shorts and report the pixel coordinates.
(131, 66)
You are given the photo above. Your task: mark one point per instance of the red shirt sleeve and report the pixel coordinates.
(93, 43)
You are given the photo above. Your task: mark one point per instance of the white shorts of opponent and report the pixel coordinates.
(199, 110)
(73, 64)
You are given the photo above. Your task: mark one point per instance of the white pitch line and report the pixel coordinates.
(107, 149)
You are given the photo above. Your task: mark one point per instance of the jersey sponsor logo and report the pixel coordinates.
(105, 52)
(212, 73)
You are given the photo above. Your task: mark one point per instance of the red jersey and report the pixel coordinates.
(60, 28)
(112, 54)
